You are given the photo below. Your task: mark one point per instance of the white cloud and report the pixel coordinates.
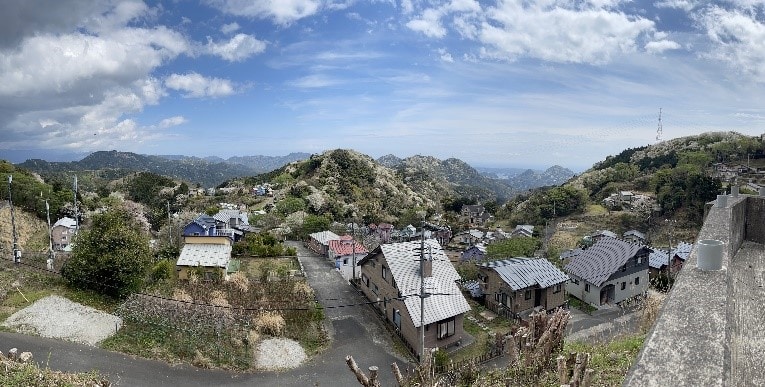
(429, 23)
(314, 81)
(80, 77)
(230, 28)
(738, 39)
(685, 5)
(172, 121)
(659, 46)
(197, 86)
(445, 55)
(282, 12)
(591, 33)
(239, 48)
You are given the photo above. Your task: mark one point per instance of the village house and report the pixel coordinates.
(475, 253)
(603, 234)
(497, 235)
(680, 254)
(469, 237)
(346, 252)
(62, 233)
(391, 277)
(318, 242)
(206, 256)
(608, 272)
(634, 236)
(523, 230)
(658, 261)
(232, 222)
(474, 215)
(518, 285)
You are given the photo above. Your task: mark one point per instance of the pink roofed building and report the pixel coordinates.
(343, 251)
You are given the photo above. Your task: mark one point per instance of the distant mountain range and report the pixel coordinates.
(207, 172)
(420, 172)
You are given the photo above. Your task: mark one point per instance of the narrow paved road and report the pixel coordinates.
(354, 330)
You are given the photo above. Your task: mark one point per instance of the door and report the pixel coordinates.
(538, 297)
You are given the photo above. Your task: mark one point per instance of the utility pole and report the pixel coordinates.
(16, 251)
(353, 248)
(422, 290)
(169, 223)
(76, 217)
(50, 237)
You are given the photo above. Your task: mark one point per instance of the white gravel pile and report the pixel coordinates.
(57, 317)
(278, 354)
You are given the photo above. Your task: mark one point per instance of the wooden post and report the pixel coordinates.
(562, 370)
(373, 382)
(587, 380)
(397, 374)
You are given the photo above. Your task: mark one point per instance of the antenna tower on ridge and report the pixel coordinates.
(659, 130)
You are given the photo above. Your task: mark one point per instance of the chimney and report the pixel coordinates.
(427, 267)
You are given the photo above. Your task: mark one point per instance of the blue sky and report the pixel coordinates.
(495, 83)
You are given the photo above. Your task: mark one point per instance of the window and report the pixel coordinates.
(624, 285)
(374, 288)
(624, 267)
(527, 295)
(365, 279)
(446, 328)
(385, 273)
(575, 281)
(504, 299)
(497, 296)
(63, 238)
(640, 259)
(397, 318)
(345, 261)
(557, 288)
(586, 287)
(637, 280)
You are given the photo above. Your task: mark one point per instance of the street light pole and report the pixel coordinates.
(422, 291)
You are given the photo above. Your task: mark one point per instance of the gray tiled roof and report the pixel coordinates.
(403, 261)
(682, 250)
(226, 215)
(605, 233)
(602, 259)
(206, 221)
(657, 258)
(205, 254)
(634, 233)
(521, 273)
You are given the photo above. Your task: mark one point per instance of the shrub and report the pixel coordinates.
(270, 323)
(162, 270)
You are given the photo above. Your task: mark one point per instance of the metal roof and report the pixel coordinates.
(206, 221)
(520, 273)
(226, 215)
(658, 258)
(324, 237)
(404, 262)
(205, 255)
(602, 259)
(682, 250)
(66, 222)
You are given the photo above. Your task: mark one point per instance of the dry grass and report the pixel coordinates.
(302, 289)
(218, 298)
(240, 281)
(270, 323)
(181, 295)
(650, 310)
(201, 361)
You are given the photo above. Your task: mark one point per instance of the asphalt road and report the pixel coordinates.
(354, 330)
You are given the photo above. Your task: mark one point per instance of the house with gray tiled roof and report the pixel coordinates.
(474, 215)
(474, 253)
(603, 234)
(523, 230)
(608, 272)
(634, 236)
(517, 285)
(391, 277)
(680, 254)
(657, 262)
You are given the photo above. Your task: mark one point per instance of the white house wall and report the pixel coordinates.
(593, 296)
